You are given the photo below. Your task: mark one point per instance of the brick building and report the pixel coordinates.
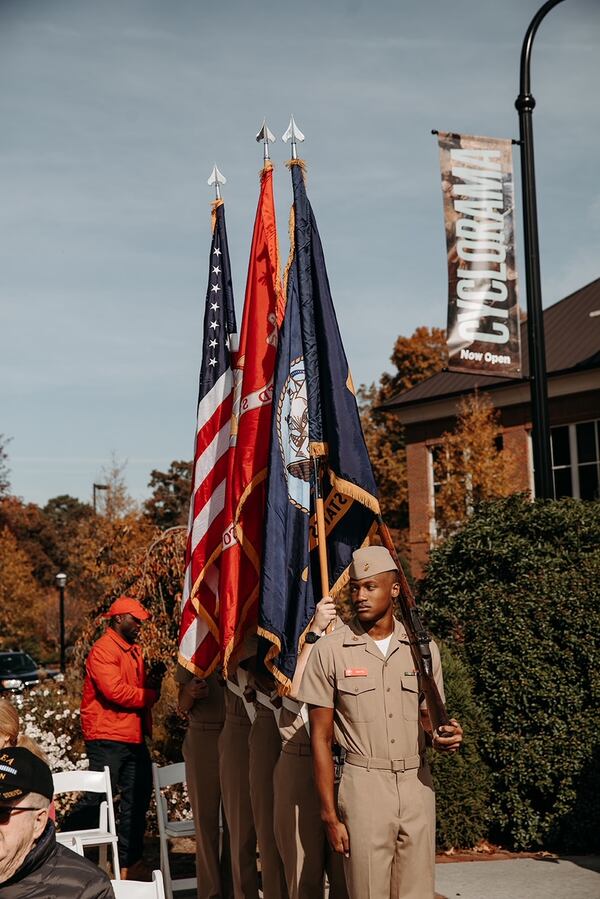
(572, 333)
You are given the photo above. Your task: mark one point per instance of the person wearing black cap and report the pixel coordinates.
(116, 718)
(32, 863)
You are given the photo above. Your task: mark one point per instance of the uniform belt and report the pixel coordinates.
(206, 725)
(295, 749)
(239, 720)
(362, 761)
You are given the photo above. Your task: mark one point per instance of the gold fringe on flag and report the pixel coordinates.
(213, 213)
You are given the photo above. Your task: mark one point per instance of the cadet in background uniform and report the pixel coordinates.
(264, 749)
(299, 833)
(360, 683)
(234, 761)
(204, 704)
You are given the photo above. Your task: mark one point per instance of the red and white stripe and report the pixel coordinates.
(198, 646)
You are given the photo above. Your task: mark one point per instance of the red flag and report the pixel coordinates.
(199, 629)
(241, 558)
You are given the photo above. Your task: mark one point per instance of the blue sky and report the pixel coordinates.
(111, 117)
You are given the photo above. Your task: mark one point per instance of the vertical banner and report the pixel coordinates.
(483, 309)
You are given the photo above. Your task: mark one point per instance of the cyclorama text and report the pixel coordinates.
(482, 292)
(474, 356)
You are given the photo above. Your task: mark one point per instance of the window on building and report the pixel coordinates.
(576, 460)
(436, 531)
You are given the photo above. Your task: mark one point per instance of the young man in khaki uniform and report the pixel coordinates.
(234, 763)
(360, 684)
(264, 749)
(299, 833)
(204, 703)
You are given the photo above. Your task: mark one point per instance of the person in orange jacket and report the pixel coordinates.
(115, 718)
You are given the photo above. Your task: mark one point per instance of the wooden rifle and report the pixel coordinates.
(418, 637)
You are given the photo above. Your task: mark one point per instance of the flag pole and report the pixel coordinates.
(320, 516)
(267, 137)
(217, 179)
(295, 136)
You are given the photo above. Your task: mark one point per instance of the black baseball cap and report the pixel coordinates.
(22, 772)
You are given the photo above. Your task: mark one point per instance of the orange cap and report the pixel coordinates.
(127, 604)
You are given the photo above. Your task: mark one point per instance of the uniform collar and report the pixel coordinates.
(121, 643)
(356, 636)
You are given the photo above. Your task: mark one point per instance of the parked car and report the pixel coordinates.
(17, 672)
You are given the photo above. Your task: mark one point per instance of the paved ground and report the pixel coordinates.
(548, 877)
(523, 878)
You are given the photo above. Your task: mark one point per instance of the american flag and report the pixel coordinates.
(199, 630)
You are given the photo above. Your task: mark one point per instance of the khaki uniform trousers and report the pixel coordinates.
(265, 748)
(299, 832)
(235, 791)
(201, 754)
(390, 817)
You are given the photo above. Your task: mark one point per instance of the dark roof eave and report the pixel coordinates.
(392, 405)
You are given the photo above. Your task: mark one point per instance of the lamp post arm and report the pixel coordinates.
(525, 82)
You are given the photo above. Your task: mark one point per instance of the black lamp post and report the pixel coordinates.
(525, 103)
(61, 582)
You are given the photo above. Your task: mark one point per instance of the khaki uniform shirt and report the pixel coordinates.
(235, 707)
(292, 727)
(376, 700)
(210, 710)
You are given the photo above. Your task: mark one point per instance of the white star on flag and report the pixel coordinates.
(212, 343)
(216, 270)
(214, 325)
(214, 306)
(217, 251)
(212, 361)
(215, 288)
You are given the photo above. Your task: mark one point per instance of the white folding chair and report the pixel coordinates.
(105, 834)
(137, 889)
(75, 844)
(169, 828)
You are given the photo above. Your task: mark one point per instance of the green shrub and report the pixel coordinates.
(517, 592)
(462, 780)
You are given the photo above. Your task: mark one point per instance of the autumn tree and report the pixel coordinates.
(470, 464)
(35, 536)
(64, 514)
(18, 592)
(96, 548)
(116, 500)
(415, 358)
(168, 506)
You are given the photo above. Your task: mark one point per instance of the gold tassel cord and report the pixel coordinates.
(354, 492)
(292, 236)
(213, 212)
(301, 165)
(284, 684)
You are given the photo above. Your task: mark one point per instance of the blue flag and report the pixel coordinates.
(315, 415)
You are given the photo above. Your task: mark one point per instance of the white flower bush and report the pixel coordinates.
(49, 718)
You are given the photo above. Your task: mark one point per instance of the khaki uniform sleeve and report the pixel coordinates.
(182, 675)
(318, 682)
(437, 671)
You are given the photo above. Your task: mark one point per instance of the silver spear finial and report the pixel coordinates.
(267, 137)
(217, 179)
(295, 135)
